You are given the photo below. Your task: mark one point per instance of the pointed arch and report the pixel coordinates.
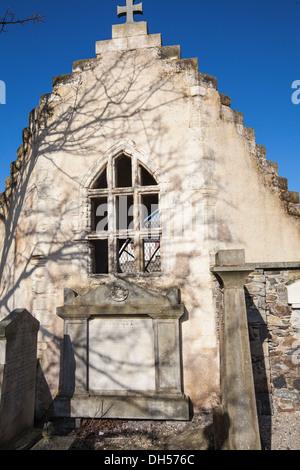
(128, 148)
(121, 197)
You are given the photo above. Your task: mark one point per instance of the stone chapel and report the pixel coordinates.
(145, 229)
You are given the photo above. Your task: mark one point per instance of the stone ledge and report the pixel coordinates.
(208, 80)
(129, 29)
(67, 79)
(258, 265)
(231, 115)
(169, 52)
(249, 133)
(225, 100)
(290, 196)
(282, 183)
(128, 43)
(156, 407)
(187, 64)
(230, 258)
(294, 210)
(84, 64)
(106, 309)
(261, 152)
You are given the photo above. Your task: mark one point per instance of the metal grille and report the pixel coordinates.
(152, 255)
(126, 256)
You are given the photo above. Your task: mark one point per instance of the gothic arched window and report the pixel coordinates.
(125, 224)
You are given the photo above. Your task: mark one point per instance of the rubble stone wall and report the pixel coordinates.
(274, 330)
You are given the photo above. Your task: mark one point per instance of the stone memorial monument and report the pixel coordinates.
(122, 354)
(18, 364)
(136, 175)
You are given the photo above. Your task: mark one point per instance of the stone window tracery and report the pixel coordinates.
(126, 232)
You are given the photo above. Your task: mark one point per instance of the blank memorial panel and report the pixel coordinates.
(121, 354)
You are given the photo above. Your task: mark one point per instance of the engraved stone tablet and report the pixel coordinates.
(121, 354)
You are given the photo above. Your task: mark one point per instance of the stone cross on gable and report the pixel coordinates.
(130, 10)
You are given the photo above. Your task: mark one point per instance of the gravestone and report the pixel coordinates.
(18, 363)
(293, 292)
(122, 354)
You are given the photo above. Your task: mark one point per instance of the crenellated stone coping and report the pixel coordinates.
(164, 53)
(171, 54)
(67, 79)
(268, 168)
(84, 64)
(22, 151)
(278, 183)
(15, 167)
(208, 80)
(225, 100)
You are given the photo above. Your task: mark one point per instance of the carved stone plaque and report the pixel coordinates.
(119, 293)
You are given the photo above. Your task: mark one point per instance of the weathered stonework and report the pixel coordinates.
(275, 339)
(237, 393)
(140, 99)
(18, 350)
(122, 351)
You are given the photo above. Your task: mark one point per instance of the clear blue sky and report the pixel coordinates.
(251, 46)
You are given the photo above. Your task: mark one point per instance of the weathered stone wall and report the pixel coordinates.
(274, 329)
(2, 235)
(139, 97)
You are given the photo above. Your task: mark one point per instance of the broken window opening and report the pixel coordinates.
(123, 172)
(124, 213)
(101, 182)
(100, 248)
(100, 215)
(146, 178)
(152, 261)
(150, 211)
(126, 256)
(125, 224)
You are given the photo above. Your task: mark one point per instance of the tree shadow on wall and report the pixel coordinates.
(39, 228)
(123, 434)
(258, 337)
(80, 119)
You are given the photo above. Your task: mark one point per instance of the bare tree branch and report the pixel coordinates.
(9, 18)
